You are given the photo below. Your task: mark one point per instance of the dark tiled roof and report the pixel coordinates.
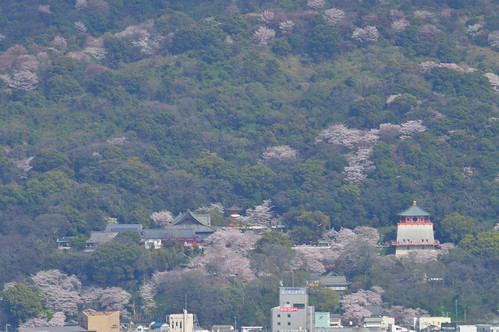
(124, 227)
(190, 218)
(101, 237)
(414, 211)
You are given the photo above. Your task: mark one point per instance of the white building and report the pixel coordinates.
(414, 231)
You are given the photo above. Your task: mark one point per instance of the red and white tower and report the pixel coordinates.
(414, 231)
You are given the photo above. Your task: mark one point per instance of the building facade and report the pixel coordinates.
(414, 231)
(183, 322)
(100, 321)
(293, 313)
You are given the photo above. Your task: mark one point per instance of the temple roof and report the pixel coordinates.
(190, 218)
(414, 211)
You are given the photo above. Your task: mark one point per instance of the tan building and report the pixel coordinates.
(101, 321)
(421, 323)
(181, 322)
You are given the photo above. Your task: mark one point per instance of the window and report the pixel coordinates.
(289, 323)
(289, 315)
(278, 323)
(278, 315)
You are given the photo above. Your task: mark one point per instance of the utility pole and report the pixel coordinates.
(455, 301)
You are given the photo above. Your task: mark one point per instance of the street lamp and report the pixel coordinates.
(6, 327)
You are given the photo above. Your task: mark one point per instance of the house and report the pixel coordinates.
(421, 323)
(100, 321)
(124, 227)
(222, 328)
(330, 280)
(159, 237)
(64, 243)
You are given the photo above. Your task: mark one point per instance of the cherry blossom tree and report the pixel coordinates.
(263, 35)
(23, 80)
(400, 25)
(424, 14)
(494, 81)
(428, 31)
(493, 39)
(334, 16)
(280, 152)
(316, 4)
(81, 4)
(162, 218)
(60, 291)
(396, 14)
(405, 316)
(261, 214)
(25, 63)
(266, 16)
(142, 36)
(45, 9)
(59, 43)
(80, 26)
(226, 254)
(286, 27)
(58, 319)
(368, 34)
(112, 298)
(354, 305)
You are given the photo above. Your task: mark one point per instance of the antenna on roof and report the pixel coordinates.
(185, 301)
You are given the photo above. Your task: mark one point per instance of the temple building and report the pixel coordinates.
(414, 231)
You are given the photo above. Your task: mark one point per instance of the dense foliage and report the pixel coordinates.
(340, 117)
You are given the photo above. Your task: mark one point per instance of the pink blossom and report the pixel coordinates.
(112, 298)
(142, 36)
(287, 26)
(263, 35)
(25, 63)
(162, 218)
(266, 16)
(368, 34)
(316, 4)
(428, 31)
(80, 56)
(261, 214)
(396, 14)
(58, 319)
(494, 81)
(333, 16)
(59, 43)
(493, 39)
(24, 80)
(424, 14)
(44, 9)
(354, 305)
(60, 291)
(81, 4)
(404, 316)
(280, 152)
(80, 27)
(400, 25)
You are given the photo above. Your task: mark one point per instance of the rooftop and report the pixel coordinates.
(414, 211)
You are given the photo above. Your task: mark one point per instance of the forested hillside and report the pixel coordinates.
(334, 114)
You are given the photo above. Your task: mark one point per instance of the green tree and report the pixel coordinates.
(316, 221)
(133, 175)
(114, 263)
(324, 299)
(21, 303)
(49, 159)
(273, 238)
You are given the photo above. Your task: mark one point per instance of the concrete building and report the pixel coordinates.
(100, 321)
(183, 322)
(487, 328)
(414, 231)
(293, 312)
(421, 323)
